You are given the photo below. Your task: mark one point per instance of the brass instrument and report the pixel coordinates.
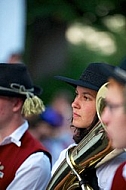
(91, 149)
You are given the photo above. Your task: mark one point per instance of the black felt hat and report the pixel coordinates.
(15, 80)
(91, 78)
(118, 73)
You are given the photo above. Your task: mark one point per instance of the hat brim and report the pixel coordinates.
(76, 83)
(110, 72)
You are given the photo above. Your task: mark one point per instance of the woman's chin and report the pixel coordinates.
(77, 125)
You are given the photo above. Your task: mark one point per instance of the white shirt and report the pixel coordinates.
(105, 172)
(35, 171)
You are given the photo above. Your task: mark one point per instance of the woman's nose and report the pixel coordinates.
(75, 103)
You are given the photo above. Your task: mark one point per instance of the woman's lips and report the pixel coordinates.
(75, 115)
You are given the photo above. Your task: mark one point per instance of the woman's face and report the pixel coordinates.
(114, 116)
(84, 108)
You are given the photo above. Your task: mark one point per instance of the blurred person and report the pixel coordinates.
(24, 162)
(15, 57)
(114, 116)
(61, 103)
(35, 126)
(46, 128)
(84, 119)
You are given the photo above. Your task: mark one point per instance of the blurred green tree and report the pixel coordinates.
(64, 36)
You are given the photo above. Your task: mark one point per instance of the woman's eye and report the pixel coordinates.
(75, 94)
(86, 98)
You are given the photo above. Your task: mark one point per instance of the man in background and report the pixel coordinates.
(114, 117)
(24, 162)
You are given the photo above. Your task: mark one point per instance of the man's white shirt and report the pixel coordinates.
(34, 173)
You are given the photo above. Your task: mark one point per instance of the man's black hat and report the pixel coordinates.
(91, 77)
(118, 73)
(15, 80)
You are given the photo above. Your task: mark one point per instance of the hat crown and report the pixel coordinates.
(91, 78)
(15, 75)
(116, 72)
(93, 75)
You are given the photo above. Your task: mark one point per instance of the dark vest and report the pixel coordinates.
(119, 183)
(12, 156)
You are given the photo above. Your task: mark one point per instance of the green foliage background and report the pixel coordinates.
(92, 13)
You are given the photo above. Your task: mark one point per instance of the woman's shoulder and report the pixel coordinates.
(61, 158)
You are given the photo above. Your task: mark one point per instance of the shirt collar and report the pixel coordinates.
(16, 135)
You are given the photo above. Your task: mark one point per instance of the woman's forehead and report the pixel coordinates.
(86, 90)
